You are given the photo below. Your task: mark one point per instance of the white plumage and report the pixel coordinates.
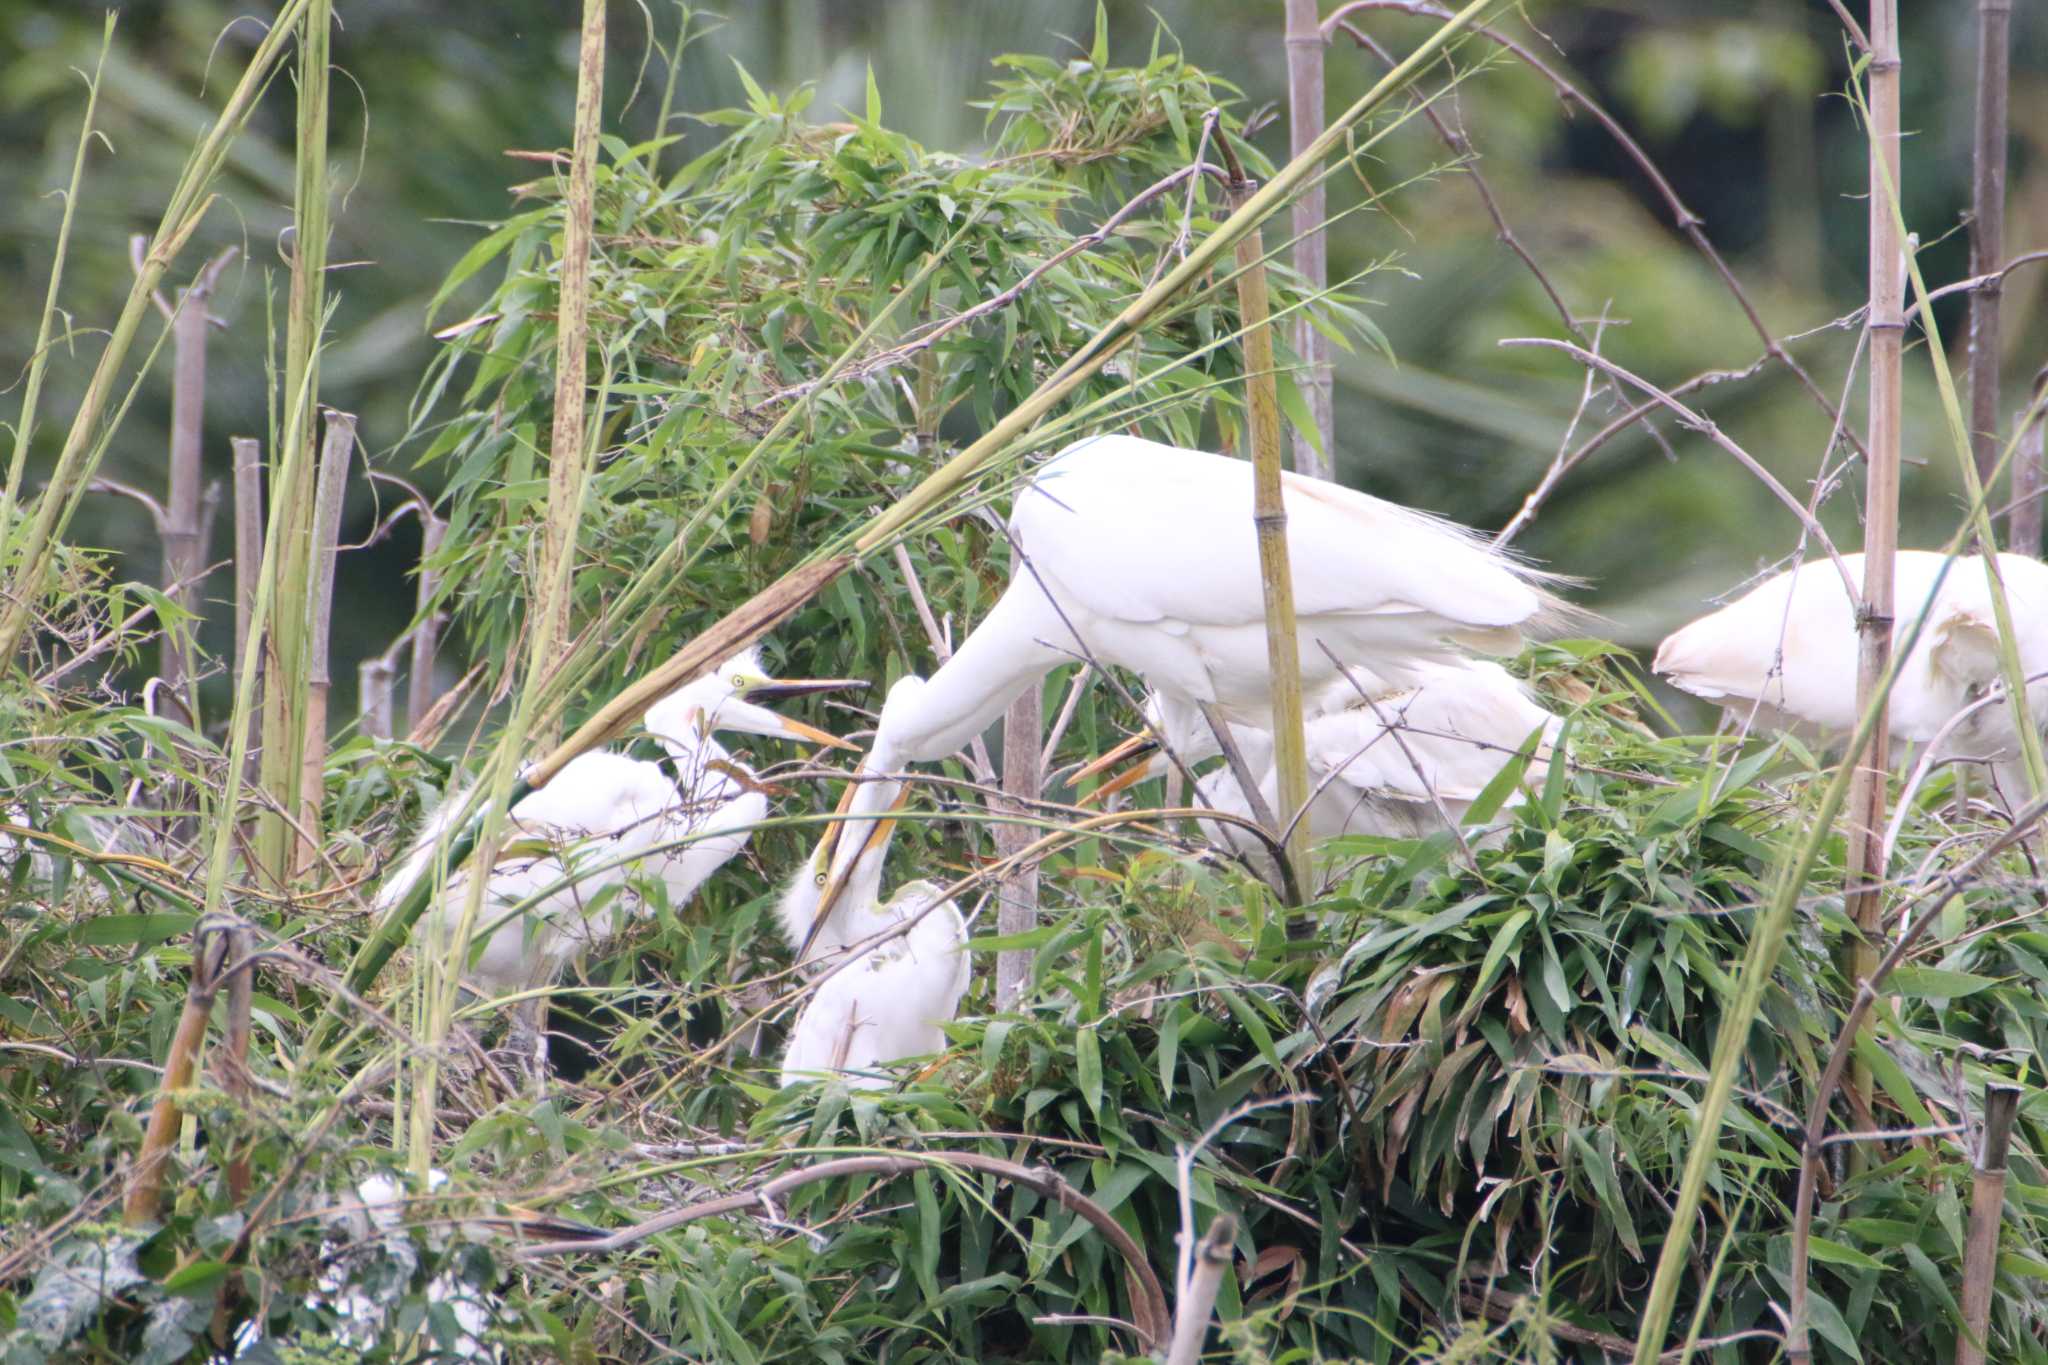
(889, 1001)
(1789, 647)
(578, 846)
(1380, 768)
(1148, 553)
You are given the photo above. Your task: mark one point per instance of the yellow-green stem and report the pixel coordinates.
(1276, 575)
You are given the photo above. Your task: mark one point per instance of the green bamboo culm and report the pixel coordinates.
(1276, 573)
(31, 545)
(291, 501)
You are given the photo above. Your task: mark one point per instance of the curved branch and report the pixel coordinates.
(1684, 218)
(1712, 432)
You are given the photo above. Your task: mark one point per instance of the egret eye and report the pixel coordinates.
(821, 879)
(739, 680)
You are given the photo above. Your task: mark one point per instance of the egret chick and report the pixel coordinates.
(577, 844)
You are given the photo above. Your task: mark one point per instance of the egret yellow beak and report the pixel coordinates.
(746, 712)
(876, 842)
(1138, 747)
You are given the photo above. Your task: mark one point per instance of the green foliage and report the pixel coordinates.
(1446, 1120)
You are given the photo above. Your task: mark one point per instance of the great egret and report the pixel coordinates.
(1789, 647)
(889, 1000)
(1148, 555)
(1385, 766)
(578, 842)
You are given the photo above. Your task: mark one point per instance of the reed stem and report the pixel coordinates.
(572, 340)
(1987, 229)
(337, 451)
(1269, 516)
(1886, 282)
(1017, 905)
(1314, 453)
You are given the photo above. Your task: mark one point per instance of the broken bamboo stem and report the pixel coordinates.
(1987, 1210)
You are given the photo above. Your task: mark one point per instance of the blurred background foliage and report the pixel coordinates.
(1737, 102)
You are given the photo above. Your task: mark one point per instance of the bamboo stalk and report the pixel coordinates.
(376, 696)
(285, 697)
(39, 358)
(572, 332)
(2029, 478)
(1987, 1210)
(337, 451)
(1269, 516)
(1214, 1255)
(146, 1177)
(184, 546)
(248, 543)
(1866, 814)
(30, 547)
(426, 635)
(1017, 903)
(1987, 228)
(1316, 456)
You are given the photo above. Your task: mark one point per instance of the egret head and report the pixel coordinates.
(730, 697)
(846, 867)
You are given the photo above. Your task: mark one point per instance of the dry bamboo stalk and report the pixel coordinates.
(1987, 1210)
(1269, 516)
(234, 1061)
(376, 695)
(426, 636)
(248, 552)
(1311, 247)
(1214, 1255)
(572, 341)
(184, 545)
(1866, 811)
(2023, 528)
(292, 498)
(1017, 904)
(337, 451)
(146, 1177)
(1987, 230)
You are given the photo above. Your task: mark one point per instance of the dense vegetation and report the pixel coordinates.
(1448, 1118)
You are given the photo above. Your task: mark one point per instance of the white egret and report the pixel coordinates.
(1789, 648)
(888, 1001)
(1145, 556)
(578, 843)
(1392, 767)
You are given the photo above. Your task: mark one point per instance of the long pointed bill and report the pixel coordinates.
(735, 713)
(875, 845)
(1138, 747)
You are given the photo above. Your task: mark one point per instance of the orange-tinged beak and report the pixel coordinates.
(797, 729)
(877, 841)
(1138, 747)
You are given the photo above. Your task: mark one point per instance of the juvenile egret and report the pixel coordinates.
(1148, 555)
(577, 843)
(888, 1001)
(1381, 769)
(1789, 647)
